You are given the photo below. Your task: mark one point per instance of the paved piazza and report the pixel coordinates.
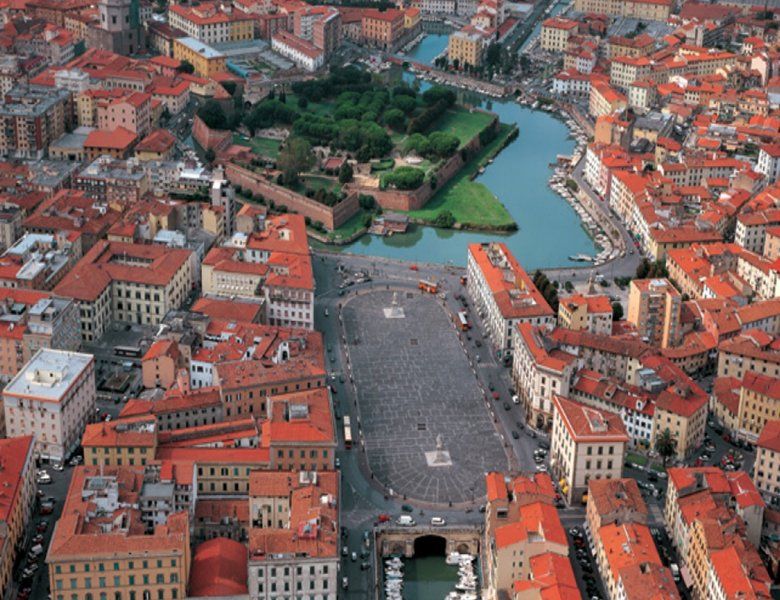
(414, 383)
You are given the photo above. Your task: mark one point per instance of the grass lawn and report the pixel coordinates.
(462, 123)
(470, 202)
(260, 146)
(319, 108)
(316, 182)
(350, 227)
(636, 458)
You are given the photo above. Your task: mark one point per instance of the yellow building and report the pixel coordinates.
(206, 60)
(92, 556)
(654, 309)
(750, 352)
(604, 99)
(685, 416)
(121, 443)
(767, 465)
(625, 70)
(586, 444)
(649, 10)
(467, 47)
(592, 313)
(759, 402)
(556, 32)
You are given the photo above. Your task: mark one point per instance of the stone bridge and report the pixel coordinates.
(408, 541)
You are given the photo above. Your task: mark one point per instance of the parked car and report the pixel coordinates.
(438, 521)
(383, 518)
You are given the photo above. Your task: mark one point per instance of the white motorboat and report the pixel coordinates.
(453, 558)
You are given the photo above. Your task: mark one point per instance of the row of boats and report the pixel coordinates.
(558, 182)
(394, 578)
(467, 587)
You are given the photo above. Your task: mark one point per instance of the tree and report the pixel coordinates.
(296, 156)
(395, 118)
(444, 219)
(617, 311)
(212, 115)
(186, 67)
(210, 155)
(666, 445)
(643, 269)
(366, 202)
(404, 178)
(303, 102)
(230, 87)
(345, 173)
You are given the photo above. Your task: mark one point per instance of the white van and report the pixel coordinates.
(405, 521)
(675, 571)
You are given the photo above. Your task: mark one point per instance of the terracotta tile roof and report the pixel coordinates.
(589, 425)
(159, 140)
(76, 532)
(735, 582)
(135, 432)
(219, 568)
(648, 581)
(770, 436)
(627, 544)
(762, 385)
(112, 139)
(552, 578)
(513, 290)
(220, 308)
(110, 261)
(15, 456)
(616, 495)
(537, 523)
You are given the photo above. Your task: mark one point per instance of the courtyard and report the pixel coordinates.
(415, 387)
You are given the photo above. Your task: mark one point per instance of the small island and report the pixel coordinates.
(344, 149)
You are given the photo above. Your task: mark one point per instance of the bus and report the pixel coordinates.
(128, 351)
(428, 286)
(463, 321)
(347, 433)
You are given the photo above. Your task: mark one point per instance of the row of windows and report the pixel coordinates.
(101, 567)
(131, 595)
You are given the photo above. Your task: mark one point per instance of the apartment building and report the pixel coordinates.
(753, 351)
(132, 112)
(123, 442)
(654, 309)
(614, 501)
(467, 46)
(52, 398)
(134, 283)
(302, 52)
(555, 33)
(17, 478)
(768, 163)
(539, 371)
(759, 402)
(504, 294)
(295, 536)
(101, 544)
(604, 99)
(272, 263)
(625, 70)
(591, 313)
(382, 29)
(751, 228)
(180, 408)
(586, 444)
(520, 521)
(650, 10)
(211, 23)
(10, 224)
(635, 405)
(205, 59)
(107, 179)
(767, 466)
(32, 320)
(31, 118)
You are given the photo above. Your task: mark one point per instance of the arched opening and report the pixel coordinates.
(463, 549)
(397, 549)
(430, 545)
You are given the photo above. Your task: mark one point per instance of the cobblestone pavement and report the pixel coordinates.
(414, 382)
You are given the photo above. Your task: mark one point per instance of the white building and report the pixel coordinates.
(504, 294)
(52, 398)
(768, 162)
(302, 52)
(571, 82)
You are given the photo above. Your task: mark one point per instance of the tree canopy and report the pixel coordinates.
(295, 157)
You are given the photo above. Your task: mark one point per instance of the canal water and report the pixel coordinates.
(428, 49)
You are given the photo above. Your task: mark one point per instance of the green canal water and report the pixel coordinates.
(428, 578)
